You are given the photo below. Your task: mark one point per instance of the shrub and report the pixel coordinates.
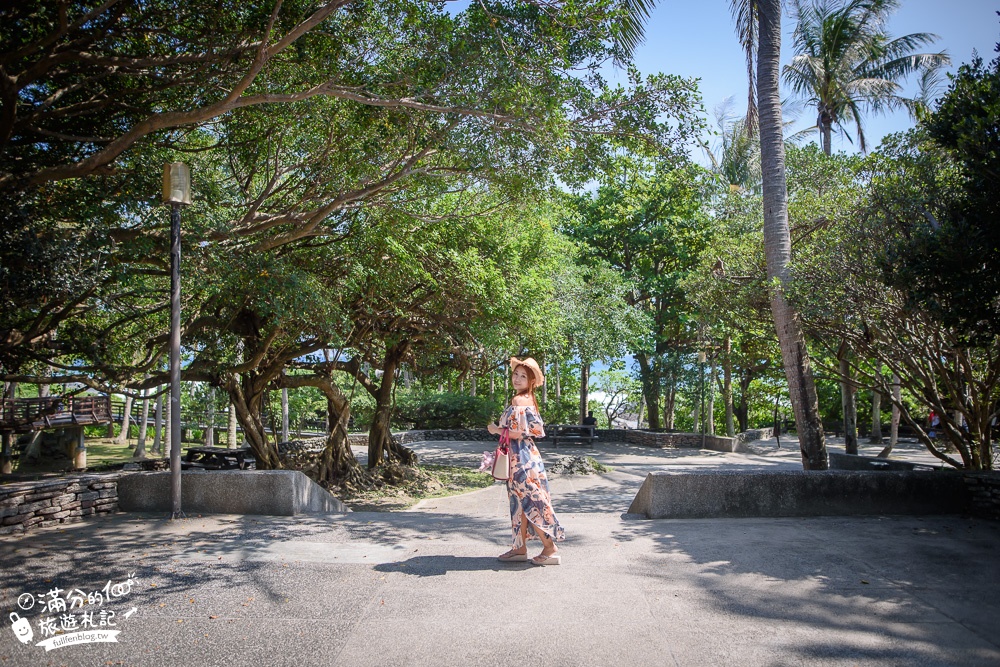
(445, 410)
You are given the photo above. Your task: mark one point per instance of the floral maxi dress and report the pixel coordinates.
(528, 486)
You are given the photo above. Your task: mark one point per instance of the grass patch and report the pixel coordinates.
(102, 453)
(597, 465)
(395, 487)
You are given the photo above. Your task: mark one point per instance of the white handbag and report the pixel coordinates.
(501, 460)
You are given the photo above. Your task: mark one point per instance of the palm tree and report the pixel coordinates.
(736, 160)
(758, 24)
(846, 63)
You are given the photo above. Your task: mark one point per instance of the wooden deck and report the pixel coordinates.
(23, 415)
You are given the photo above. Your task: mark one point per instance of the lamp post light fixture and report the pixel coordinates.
(176, 193)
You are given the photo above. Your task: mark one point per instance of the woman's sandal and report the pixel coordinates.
(554, 559)
(511, 557)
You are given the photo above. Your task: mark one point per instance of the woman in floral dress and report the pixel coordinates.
(531, 512)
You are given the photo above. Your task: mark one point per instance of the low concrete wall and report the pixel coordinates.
(270, 492)
(25, 505)
(799, 493)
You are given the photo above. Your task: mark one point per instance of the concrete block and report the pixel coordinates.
(736, 494)
(269, 492)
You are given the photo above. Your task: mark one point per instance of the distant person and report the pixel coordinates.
(590, 419)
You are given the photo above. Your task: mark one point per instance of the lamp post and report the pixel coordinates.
(176, 193)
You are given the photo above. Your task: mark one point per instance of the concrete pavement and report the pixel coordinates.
(422, 587)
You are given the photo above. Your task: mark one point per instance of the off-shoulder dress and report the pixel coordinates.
(528, 486)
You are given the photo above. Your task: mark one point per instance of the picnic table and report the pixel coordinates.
(218, 458)
(575, 433)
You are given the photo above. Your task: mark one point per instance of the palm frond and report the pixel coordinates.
(845, 62)
(632, 31)
(745, 16)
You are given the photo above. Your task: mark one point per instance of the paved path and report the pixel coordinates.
(422, 587)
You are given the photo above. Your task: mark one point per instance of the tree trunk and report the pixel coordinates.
(638, 419)
(337, 463)
(876, 435)
(727, 386)
(231, 440)
(6, 462)
(742, 409)
(247, 397)
(158, 425)
(140, 443)
(123, 436)
(111, 424)
(165, 441)
(584, 387)
(473, 387)
(848, 401)
(33, 451)
(668, 408)
(545, 387)
(284, 414)
(381, 446)
(6, 449)
(210, 419)
(649, 378)
(558, 381)
(894, 424)
(710, 402)
(777, 241)
(826, 130)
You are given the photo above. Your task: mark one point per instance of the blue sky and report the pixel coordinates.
(697, 39)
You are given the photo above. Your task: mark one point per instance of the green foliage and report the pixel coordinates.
(359, 161)
(362, 410)
(445, 410)
(869, 275)
(941, 187)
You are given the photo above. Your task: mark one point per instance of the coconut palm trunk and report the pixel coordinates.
(777, 241)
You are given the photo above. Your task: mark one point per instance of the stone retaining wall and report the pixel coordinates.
(25, 505)
(756, 434)
(984, 489)
(669, 440)
(631, 436)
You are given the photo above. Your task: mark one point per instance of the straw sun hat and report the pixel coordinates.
(531, 365)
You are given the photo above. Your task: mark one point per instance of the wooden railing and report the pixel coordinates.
(33, 414)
